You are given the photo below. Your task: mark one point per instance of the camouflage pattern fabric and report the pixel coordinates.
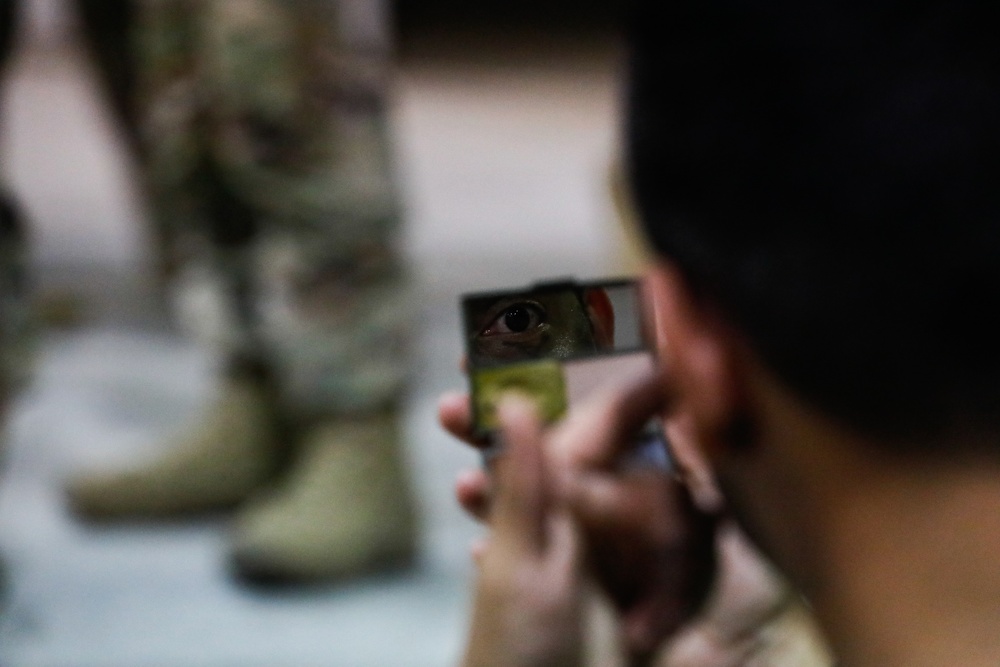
(262, 126)
(11, 254)
(8, 14)
(16, 330)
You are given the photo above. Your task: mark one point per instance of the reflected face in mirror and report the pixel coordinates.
(542, 324)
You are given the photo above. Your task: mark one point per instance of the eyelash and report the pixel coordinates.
(536, 312)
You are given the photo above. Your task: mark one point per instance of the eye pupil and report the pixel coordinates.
(517, 319)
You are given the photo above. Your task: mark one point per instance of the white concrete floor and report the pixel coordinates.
(503, 161)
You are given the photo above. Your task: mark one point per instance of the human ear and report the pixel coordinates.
(698, 349)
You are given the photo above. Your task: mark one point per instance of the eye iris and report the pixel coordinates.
(517, 319)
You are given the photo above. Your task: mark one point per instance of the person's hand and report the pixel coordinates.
(649, 548)
(528, 608)
(656, 554)
(472, 488)
(656, 572)
(751, 617)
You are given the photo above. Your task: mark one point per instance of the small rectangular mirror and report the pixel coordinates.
(556, 343)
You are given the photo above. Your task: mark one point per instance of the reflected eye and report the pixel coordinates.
(516, 319)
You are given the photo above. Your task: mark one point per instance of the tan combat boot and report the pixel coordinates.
(345, 509)
(215, 465)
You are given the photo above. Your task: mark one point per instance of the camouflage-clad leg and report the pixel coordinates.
(11, 241)
(267, 143)
(8, 14)
(169, 106)
(333, 309)
(16, 324)
(264, 135)
(107, 26)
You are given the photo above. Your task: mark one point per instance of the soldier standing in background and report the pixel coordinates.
(261, 127)
(15, 308)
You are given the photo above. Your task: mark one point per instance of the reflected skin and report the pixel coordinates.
(540, 325)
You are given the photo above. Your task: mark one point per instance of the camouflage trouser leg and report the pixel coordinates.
(264, 132)
(8, 10)
(107, 25)
(16, 336)
(16, 330)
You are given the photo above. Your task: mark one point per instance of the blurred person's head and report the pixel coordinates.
(821, 182)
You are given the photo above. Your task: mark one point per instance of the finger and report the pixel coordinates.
(565, 545)
(685, 587)
(648, 547)
(677, 583)
(642, 503)
(455, 415)
(472, 489)
(596, 435)
(519, 511)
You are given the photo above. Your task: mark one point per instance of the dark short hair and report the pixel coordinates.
(829, 174)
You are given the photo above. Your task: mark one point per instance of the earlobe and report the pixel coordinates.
(698, 350)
